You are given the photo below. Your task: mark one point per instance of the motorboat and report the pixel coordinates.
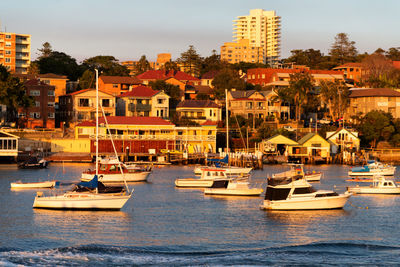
(91, 195)
(379, 185)
(230, 170)
(297, 169)
(114, 171)
(207, 178)
(373, 168)
(44, 184)
(295, 193)
(233, 187)
(34, 162)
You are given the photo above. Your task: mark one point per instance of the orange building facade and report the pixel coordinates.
(15, 52)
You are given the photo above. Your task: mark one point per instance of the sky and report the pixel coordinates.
(128, 29)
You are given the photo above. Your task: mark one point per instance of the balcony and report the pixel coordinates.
(139, 107)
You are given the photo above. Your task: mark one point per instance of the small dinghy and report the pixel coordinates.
(44, 184)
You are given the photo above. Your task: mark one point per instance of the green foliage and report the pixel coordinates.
(172, 90)
(226, 79)
(393, 53)
(343, 50)
(245, 66)
(45, 51)
(376, 126)
(142, 65)
(336, 96)
(180, 121)
(191, 61)
(59, 63)
(107, 65)
(310, 58)
(170, 65)
(12, 94)
(87, 80)
(210, 63)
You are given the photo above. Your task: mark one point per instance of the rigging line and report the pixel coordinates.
(240, 131)
(115, 150)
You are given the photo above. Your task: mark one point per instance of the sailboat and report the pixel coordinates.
(92, 195)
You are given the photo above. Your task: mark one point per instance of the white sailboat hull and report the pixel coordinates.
(373, 190)
(312, 203)
(45, 184)
(117, 177)
(189, 182)
(236, 171)
(82, 201)
(233, 191)
(385, 172)
(313, 177)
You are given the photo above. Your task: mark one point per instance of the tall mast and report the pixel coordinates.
(227, 121)
(97, 122)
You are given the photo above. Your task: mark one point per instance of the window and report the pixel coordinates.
(83, 102)
(8, 52)
(8, 44)
(115, 85)
(51, 104)
(105, 103)
(50, 93)
(8, 60)
(37, 104)
(8, 36)
(34, 93)
(160, 101)
(51, 115)
(34, 115)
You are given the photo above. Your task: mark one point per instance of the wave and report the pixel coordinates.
(327, 253)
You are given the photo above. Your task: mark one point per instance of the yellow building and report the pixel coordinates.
(311, 146)
(199, 110)
(148, 134)
(58, 81)
(241, 51)
(15, 51)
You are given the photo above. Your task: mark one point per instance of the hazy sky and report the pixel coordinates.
(127, 29)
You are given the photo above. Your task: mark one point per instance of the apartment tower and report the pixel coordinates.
(15, 52)
(262, 29)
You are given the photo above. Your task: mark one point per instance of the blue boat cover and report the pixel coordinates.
(361, 169)
(91, 184)
(224, 160)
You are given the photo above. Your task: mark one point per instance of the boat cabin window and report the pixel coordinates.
(304, 190)
(208, 173)
(277, 193)
(113, 168)
(103, 167)
(221, 174)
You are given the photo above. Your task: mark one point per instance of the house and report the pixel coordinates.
(172, 77)
(139, 134)
(81, 105)
(116, 85)
(143, 101)
(58, 81)
(364, 100)
(277, 144)
(351, 71)
(42, 114)
(343, 139)
(258, 105)
(199, 110)
(312, 147)
(208, 77)
(8, 145)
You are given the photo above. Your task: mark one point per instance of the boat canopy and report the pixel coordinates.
(224, 160)
(91, 184)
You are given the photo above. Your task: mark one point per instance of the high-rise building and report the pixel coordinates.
(15, 51)
(241, 51)
(262, 29)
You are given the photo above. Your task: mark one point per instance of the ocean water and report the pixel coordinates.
(165, 226)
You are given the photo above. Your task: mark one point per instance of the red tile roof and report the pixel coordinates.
(87, 124)
(370, 92)
(210, 75)
(197, 104)
(140, 91)
(36, 82)
(135, 120)
(52, 76)
(85, 90)
(120, 79)
(349, 65)
(162, 75)
(208, 122)
(396, 64)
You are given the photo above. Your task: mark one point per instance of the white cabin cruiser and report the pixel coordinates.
(379, 185)
(207, 178)
(232, 187)
(295, 193)
(373, 168)
(297, 169)
(230, 170)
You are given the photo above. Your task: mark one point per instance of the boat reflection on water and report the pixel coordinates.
(305, 216)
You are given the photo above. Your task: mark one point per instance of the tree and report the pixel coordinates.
(45, 51)
(376, 125)
(142, 65)
(300, 85)
(107, 65)
(172, 90)
(343, 50)
(87, 80)
(12, 94)
(210, 63)
(378, 71)
(335, 95)
(170, 65)
(190, 61)
(33, 68)
(59, 63)
(393, 53)
(310, 58)
(226, 79)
